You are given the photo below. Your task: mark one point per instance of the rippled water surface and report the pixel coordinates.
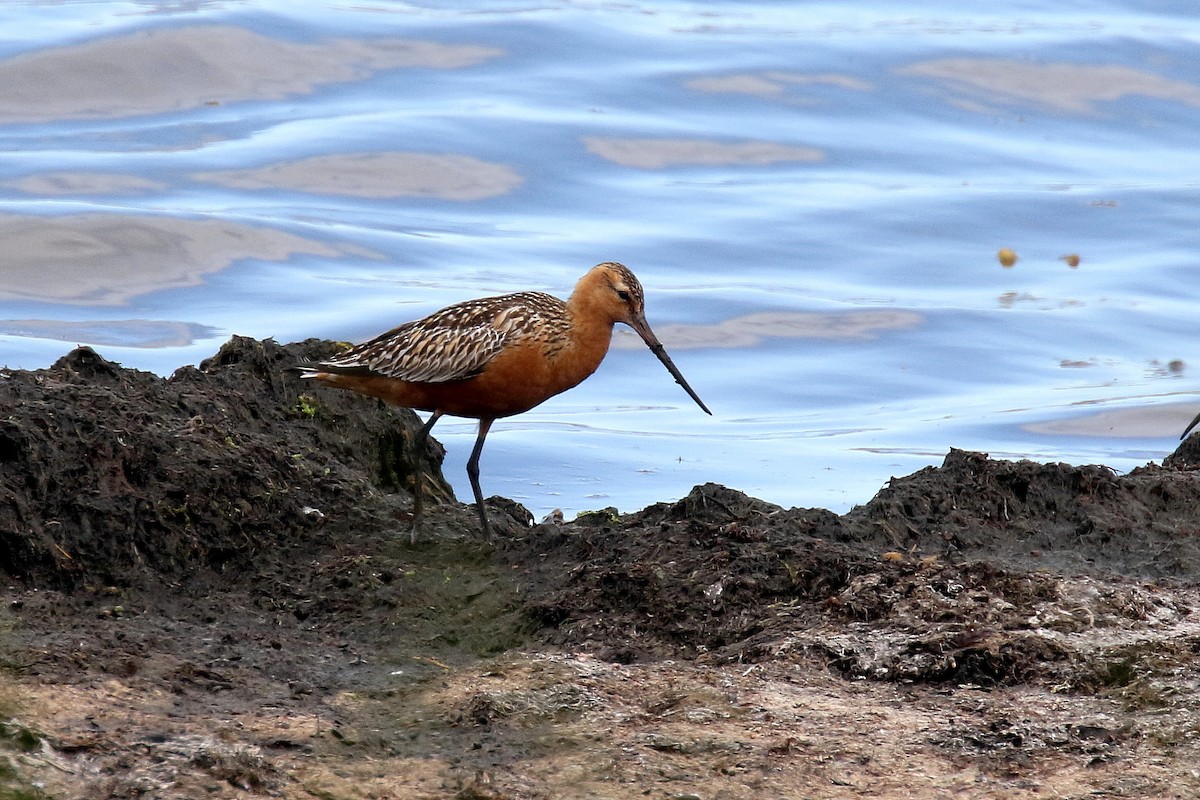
(814, 196)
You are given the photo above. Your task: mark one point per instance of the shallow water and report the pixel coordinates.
(813, 195)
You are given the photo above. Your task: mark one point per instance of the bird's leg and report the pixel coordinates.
(419, 447)
(473, 474)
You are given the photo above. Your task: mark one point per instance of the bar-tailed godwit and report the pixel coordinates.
(495, 357)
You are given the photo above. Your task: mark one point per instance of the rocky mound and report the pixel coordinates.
(111, 475)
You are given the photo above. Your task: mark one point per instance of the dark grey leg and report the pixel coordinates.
(473, 474)
(419, 447)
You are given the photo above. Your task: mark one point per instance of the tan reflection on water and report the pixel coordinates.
(752, 329)
(660, 153)
(150, 72)
(769, 84)
(1067, 87)
(1150, 422)
(52, 184)
(98, 259)
(448, 176)
(143, 333)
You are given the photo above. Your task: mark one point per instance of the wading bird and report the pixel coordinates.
(495, 357)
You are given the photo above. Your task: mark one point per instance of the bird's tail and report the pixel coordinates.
(315, 369)
(1189, 427)
(309, 369)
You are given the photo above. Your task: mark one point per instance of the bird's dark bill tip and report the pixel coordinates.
(661, 352)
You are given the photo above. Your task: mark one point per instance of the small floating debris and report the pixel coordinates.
(1007, 256)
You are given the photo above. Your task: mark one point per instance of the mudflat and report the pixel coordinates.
(210, 592)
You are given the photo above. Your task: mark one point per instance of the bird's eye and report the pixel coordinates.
(624, 295)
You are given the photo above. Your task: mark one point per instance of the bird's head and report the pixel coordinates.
(611, 290)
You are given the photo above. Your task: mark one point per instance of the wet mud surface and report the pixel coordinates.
(211, 592)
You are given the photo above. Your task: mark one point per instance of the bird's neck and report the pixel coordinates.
(589, 338)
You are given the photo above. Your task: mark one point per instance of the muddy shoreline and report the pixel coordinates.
(211, 592)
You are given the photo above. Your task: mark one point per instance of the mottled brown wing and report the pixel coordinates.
(449, 345)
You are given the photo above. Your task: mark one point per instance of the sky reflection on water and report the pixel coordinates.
(814, 198)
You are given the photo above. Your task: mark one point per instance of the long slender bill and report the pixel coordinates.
(643, 329)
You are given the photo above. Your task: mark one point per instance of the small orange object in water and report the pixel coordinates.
(495, 357)
(1007, 256)
(1072, 259)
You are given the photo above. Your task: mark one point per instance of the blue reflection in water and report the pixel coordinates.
(325, 171)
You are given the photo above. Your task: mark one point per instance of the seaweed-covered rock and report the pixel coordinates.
(109, 473)
(1058, 516)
